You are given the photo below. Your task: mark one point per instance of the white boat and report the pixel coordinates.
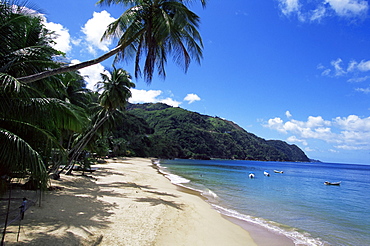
(332, 183)
(266, 173)
(251, 175)
(277, 171)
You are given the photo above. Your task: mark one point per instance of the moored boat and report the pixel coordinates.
(277, 171)
(251, 175)
(332, 183)
(266, 173)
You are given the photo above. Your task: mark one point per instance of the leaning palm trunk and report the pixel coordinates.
(81, 144)
(42, 75)
(116, 92)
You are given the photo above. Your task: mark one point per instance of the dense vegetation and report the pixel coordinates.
(49, 121)
(162, 131)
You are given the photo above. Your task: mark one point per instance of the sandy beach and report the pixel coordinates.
(124, 202)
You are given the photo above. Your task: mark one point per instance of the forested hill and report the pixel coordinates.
(167, 132)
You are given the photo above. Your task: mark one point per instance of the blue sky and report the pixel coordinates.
(293, 70)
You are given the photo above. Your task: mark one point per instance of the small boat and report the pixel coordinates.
(276, 171)
(266, 173)
(251, 175)
(332, 183)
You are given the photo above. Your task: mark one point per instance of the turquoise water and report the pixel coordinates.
(295, 203)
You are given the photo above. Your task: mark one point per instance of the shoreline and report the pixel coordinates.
(260, 235)
(124, 202)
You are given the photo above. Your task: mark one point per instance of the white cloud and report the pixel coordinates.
(364, 90)
(190, 98)
(316, 10)
(318, 14)
(294, 139)
(61, 36)
(353, 123)
(352, 70)
(288, 114)
(360, 79)
(364, 66)
(289, 6)
(352, 66)
(308, 149)
(276, 124)
(326, 72)
(154, 96)
(144, 96)
(348, 147)
(25, 10)
(348, 7)
(337, 67)
(151, 96)
(317, 122)
(351, 132)
(94, 30)
(91, 74)
(171, 102)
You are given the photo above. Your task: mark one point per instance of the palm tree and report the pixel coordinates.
(75, 90)
(151, 29)
(115, 89)
(115, 92)
(30, 120)
(25, 44)
(29, 129)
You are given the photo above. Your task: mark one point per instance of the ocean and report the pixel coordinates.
(295, 203)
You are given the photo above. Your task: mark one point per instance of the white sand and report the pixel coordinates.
(125, 203)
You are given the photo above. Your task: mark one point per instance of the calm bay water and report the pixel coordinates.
(295, 203)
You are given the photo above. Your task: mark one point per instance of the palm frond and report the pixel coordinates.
(9, 84)
(27, 161)
(150, 30)
(62, 114)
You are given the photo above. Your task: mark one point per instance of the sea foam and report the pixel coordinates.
(299, 238)
(175, 179)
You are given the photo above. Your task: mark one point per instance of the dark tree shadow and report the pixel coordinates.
(161, 193)
(76, 206)
(158, 201)
(74, 209)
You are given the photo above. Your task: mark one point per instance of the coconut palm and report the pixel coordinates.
(30, 129)
(115, 92)
(149, 29)
(115, 89)
(30, 120)
(25, 44)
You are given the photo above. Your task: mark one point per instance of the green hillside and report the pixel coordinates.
(163, 131)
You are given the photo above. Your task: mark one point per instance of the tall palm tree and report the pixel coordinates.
(30, 120)
(151, 29)
(115, 92)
